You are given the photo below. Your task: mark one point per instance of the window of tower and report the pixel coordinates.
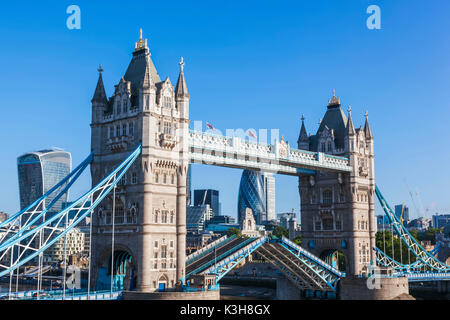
(134, 178)
(327, 220)
(124, 105)
(329, 146)
(111, 132)
(317, 225)
(147, 102)
(164, 178)
(172, 215)
(322, 147)
(131, 128)
(119, 214)
(167, 127)
(167, 102)
(163, 252)
(327, 197)
(156, 177)
(118, 133)
(124, 129)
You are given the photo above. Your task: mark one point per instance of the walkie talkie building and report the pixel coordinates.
(38, 172)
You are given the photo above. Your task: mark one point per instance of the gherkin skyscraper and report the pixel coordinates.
(252, 195)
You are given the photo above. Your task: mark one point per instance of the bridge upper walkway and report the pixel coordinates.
(280, 157)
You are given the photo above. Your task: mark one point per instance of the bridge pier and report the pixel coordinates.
(286, 290)
(361, 288)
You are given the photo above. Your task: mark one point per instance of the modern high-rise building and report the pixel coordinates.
(257, 192)
(208, 196)
(197, 217)
(269, 189)
(403, 211)
(440, 220)
(38, 172)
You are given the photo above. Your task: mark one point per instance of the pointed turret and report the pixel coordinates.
(181, 90)
(100, 93)
(141, 71)
(303, 140)
(367, 130)
(350, 126)
(146, 82)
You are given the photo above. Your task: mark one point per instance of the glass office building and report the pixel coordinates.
(252, 195)
(257, 192)
(208, 196)
(38, 172)
(269, 188)
(197, 217)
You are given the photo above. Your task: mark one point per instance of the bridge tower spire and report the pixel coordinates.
(303, 140)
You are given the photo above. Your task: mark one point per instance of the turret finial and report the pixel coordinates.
(366, 114)
(100, 68)
(349, 110)
(303, 117)
(142, 43)
(334, 101)
(181, 63)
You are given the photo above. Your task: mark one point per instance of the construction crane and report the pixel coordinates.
(420, 203)
(412, 198)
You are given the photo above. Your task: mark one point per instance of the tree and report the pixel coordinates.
(298, 240)
(385, 241)
(234, 231)
(280, 231)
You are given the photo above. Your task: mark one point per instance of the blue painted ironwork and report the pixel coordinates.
(208, 249)
(55, 225)
(201, 268)
(233, 257)
(425, 259)
(323, 270)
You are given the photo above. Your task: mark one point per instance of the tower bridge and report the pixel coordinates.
(141, 148)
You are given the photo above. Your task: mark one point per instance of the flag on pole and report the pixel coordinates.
(251, 133)
(210, 126)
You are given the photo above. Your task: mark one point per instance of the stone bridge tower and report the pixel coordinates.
(150, 200)
(337, 209)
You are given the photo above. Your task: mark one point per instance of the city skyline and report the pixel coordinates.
(380, 80)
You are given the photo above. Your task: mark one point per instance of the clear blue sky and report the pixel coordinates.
(249, 64)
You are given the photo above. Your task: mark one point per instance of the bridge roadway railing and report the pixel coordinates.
(234, 257)
(59, 295)
(207, 249)
(426, 276)
(221, 256)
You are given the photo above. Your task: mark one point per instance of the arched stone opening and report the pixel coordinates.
(335, 258)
